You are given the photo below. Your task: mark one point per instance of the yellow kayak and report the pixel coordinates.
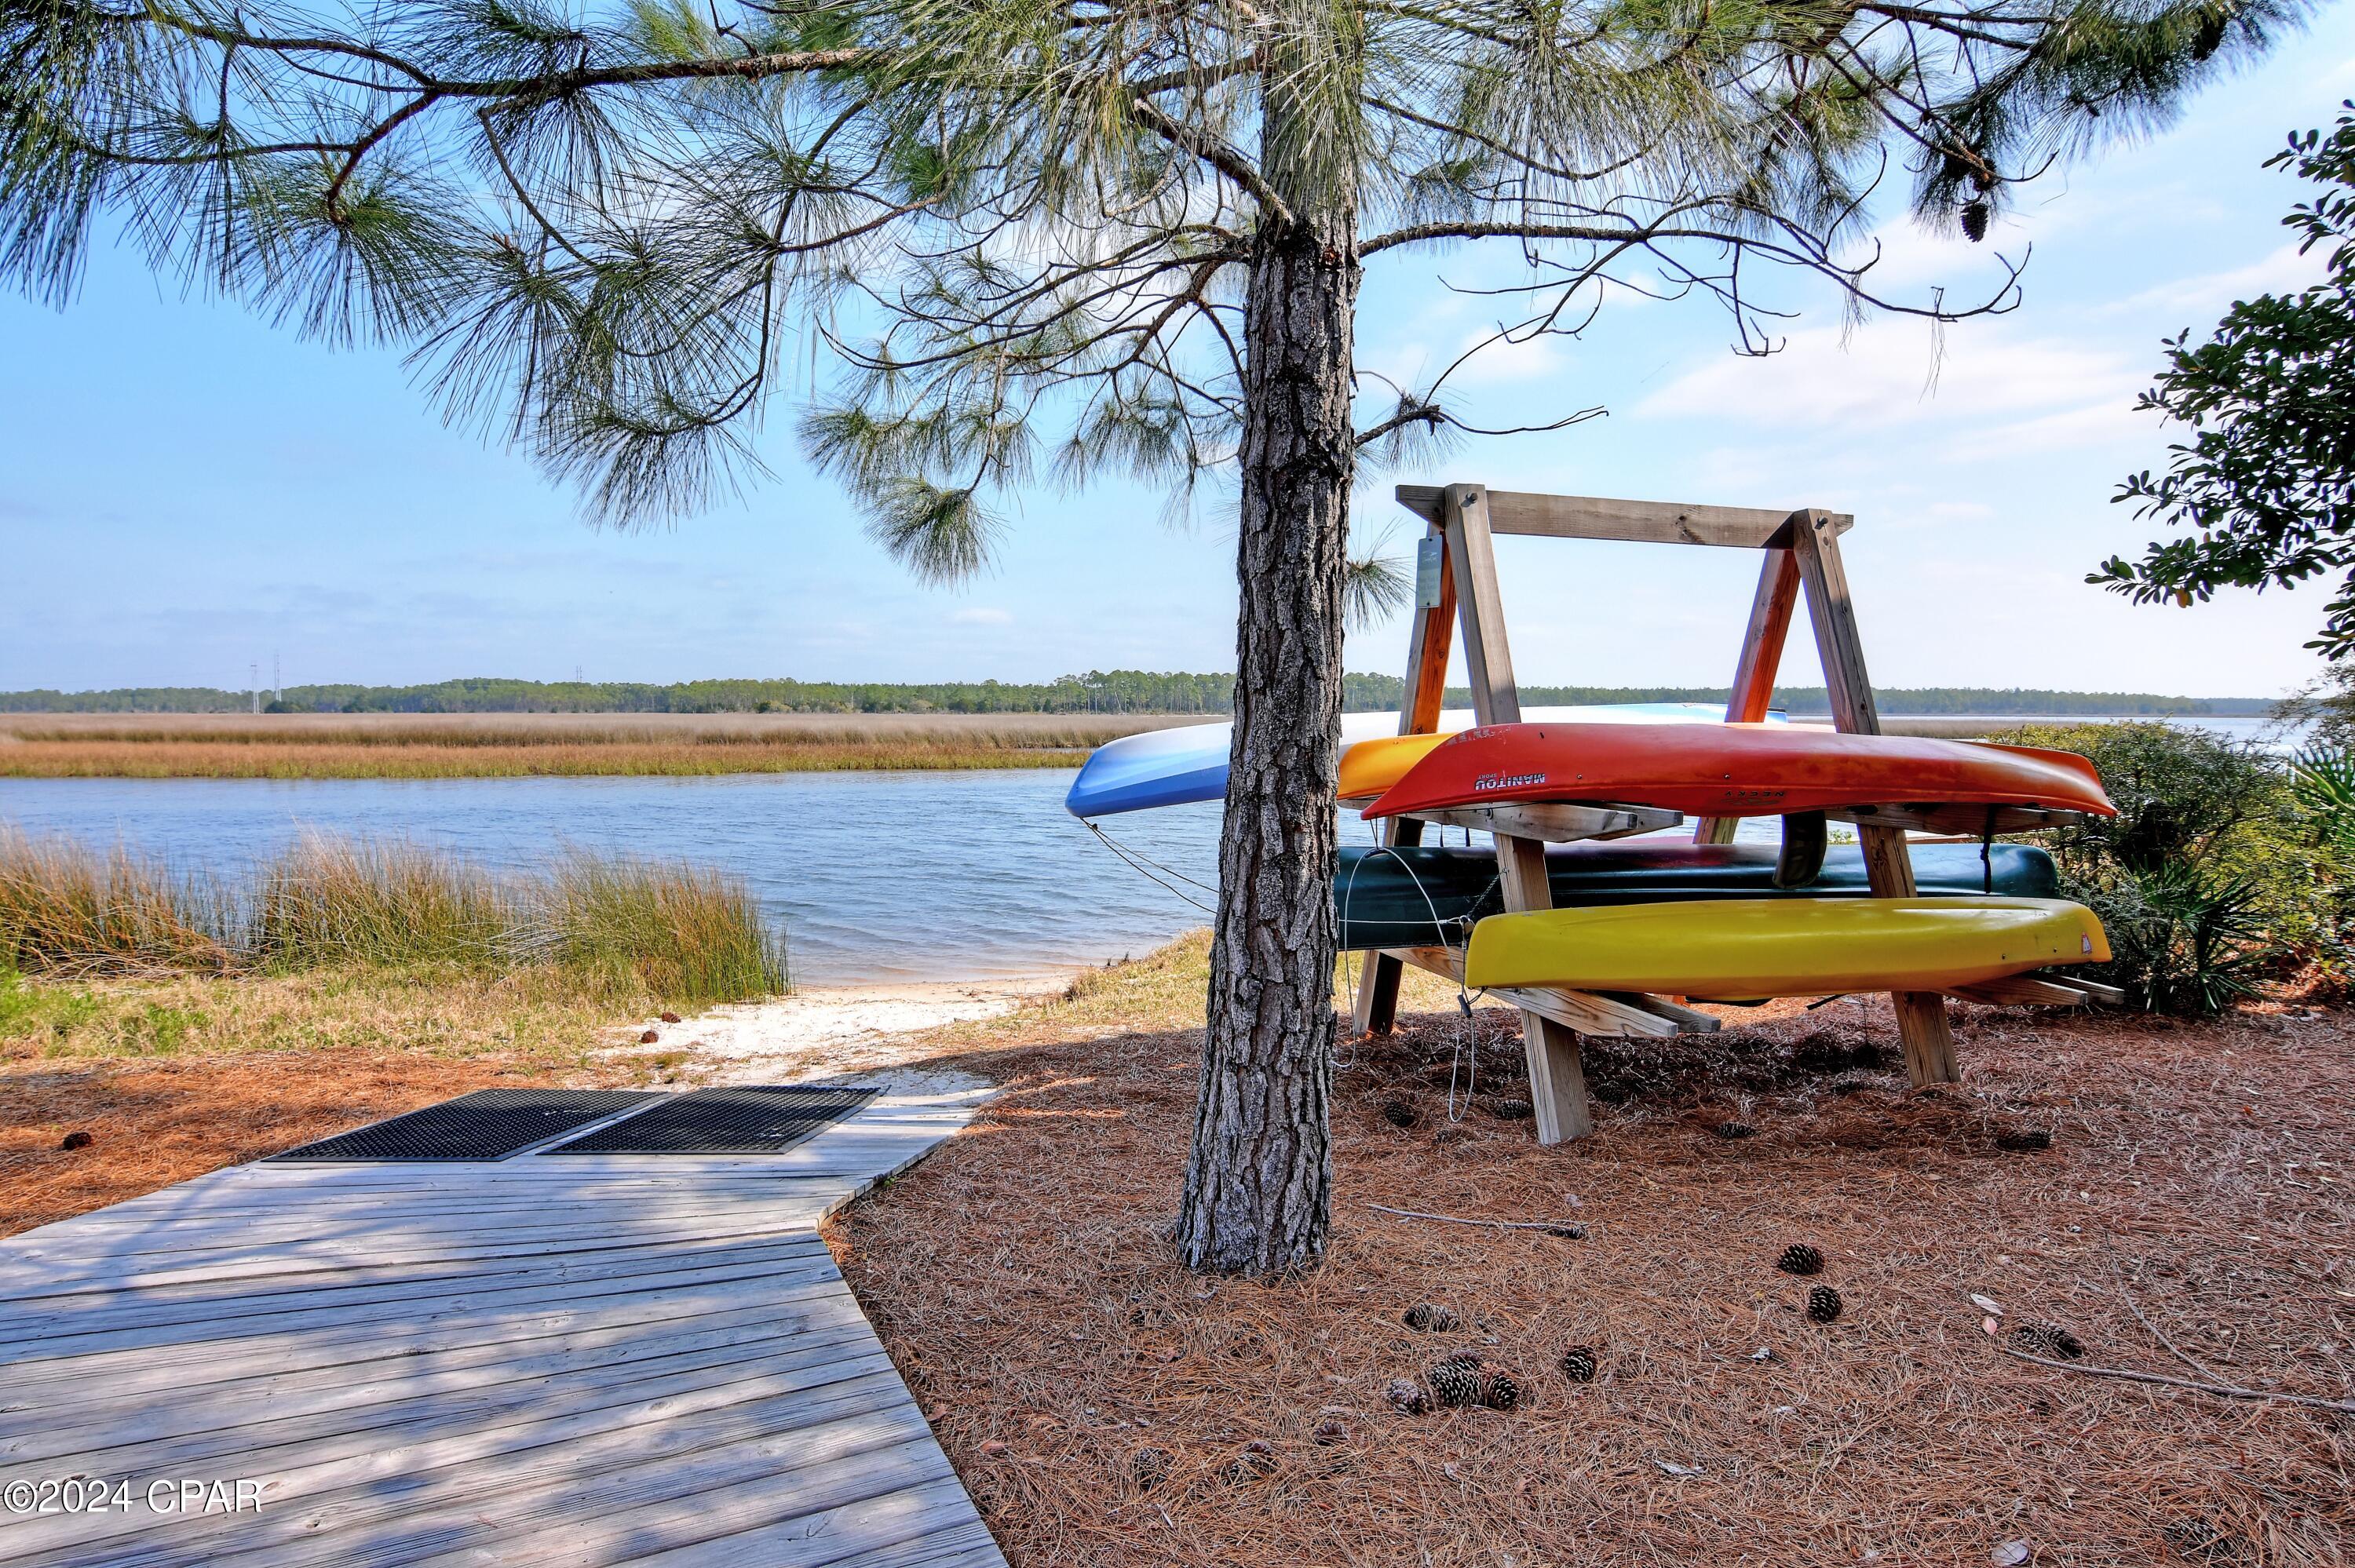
(1786, 947)
(1369, 767)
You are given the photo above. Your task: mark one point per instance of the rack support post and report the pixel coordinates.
(1921, 1023)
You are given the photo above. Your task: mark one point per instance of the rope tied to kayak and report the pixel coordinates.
(1446, 933)
(1165, 877)
(1467, 1032)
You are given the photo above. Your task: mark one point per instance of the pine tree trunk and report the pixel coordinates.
(1257, 1193)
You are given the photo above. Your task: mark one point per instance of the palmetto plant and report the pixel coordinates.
(1038, 241)
(2185, 941)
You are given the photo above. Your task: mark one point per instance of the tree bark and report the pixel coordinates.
(1258, 1192)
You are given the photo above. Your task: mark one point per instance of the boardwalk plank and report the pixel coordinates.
(567, 1360)
(160, 1367)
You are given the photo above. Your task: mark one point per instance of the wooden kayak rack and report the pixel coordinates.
(1800, 549)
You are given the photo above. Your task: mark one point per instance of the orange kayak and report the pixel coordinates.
(1741, 770)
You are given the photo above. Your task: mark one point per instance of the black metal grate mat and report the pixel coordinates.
(489, 1124)
(724, 1121)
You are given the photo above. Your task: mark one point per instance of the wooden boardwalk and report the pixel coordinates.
(573, 1360)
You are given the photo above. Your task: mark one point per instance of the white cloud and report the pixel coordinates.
(1504, 361)
(1884, 376)
(2207, 293)
(1907, 260)
(980, 616)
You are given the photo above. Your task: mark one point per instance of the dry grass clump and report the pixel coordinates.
(690, 936)
(449, 746)
(343, 901)
(65, 909)
(1106, 1406)
(542, 1013)
(686, 934)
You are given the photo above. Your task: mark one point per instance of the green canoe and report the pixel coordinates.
(1425, 897)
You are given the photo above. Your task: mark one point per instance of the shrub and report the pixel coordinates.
(2208, 880)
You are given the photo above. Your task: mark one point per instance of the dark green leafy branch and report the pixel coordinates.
(2262, 494)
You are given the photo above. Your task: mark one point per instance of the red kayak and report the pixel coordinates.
(1746, 770)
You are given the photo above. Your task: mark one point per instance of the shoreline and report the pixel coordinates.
(876, 1029)
(289, 747)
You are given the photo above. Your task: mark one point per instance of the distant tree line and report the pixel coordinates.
(1097, 692)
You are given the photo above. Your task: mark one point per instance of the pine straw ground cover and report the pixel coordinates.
(173, 1078)
(150, 1123)
(1105, 1407)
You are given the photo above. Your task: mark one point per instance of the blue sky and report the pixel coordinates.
(185, 491)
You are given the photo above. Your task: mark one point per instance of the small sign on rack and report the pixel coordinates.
(1430, 558)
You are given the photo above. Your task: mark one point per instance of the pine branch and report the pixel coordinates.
(1220, 156)
(2220, 1390)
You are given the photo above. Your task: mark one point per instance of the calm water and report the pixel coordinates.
(2271, 733)
(876, 876)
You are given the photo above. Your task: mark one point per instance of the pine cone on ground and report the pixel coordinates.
(1406, 1397)
(1823, 1304)
(1578, 1363)
(1427, 1318)
(1458, 1379)
(1801, 1259)
(2048, 1339)
(1256, 1460)
(1502, 1392)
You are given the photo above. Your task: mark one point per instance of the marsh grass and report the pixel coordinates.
(685, 932)
(345, 901)
(69, 910)
(684, 935)
(433, 746)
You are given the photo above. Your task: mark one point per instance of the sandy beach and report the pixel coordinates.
(821, 1031)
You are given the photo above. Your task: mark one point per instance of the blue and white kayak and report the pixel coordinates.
(1179, 767)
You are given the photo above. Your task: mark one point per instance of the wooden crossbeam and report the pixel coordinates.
(1601, 517)
(1961, 821)
(2012, 991)
(2055, 988)
(1598, 1012)
(1549, 823)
